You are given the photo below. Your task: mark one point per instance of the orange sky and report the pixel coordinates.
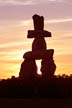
(16, 20)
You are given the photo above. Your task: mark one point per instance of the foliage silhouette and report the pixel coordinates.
(54, 87)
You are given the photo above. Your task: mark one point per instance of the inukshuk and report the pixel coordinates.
(39, 51)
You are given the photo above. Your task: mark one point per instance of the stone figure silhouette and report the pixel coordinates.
(39, 51)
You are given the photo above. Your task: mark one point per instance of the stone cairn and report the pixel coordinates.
(28, 69)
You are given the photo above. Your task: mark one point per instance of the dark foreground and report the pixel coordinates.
(35, 103)
(53, 92)
(57, 87)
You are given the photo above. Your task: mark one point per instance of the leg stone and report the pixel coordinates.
(28, 69)
(48, 68)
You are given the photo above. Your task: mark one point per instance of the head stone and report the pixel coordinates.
(38, 22)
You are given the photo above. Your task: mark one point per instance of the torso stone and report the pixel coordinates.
(39, 44)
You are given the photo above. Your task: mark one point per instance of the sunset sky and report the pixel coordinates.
(16, 20)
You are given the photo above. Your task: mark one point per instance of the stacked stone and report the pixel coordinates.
(39, 51)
